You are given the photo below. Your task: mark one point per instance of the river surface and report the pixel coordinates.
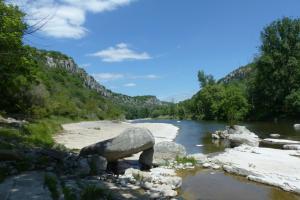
(203, 184)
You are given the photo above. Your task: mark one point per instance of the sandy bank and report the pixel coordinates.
(78, 135)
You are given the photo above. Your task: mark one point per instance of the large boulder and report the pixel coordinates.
(237, 135)
(167, 151)
(131, 141)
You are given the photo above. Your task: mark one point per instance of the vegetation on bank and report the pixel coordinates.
(266, 89)
(269, 87)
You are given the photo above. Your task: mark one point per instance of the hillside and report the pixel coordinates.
(52, 62)
(240, 74)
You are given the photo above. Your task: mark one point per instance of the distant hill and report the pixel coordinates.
(240, 74)
(55, 63)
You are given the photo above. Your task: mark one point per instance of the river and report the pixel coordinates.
(203, 184)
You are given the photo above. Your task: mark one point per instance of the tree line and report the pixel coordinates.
(270, 92)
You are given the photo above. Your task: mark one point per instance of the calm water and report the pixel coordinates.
(200, 184)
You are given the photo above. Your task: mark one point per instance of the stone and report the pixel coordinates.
(146, 185)
(167, 152)
(146, 158)
(277, 167)
(297, 126)
(206, 165)
(239, 135)
(279, 141)
(83, 166)
(97, 163)
(215, 136)
(274, 135)
(131, 141)
(215, 166)
(25, 186)
(292, 146)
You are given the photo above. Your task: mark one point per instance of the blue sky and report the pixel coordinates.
(155, 47)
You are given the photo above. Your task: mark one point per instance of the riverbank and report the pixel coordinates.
(79, 135)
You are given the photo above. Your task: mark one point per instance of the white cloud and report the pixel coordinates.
(64, 18)
(129, 85)
(105, 77)
(120, 52)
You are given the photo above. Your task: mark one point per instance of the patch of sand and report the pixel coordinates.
(79, 135)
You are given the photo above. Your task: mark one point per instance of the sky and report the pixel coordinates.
(154, 47)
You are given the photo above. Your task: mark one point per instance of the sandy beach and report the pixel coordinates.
(79, 135)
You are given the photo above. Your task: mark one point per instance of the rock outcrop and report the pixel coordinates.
(237, 135)
(58, 60)
(131, 141)
(280, 168)
(167, 152)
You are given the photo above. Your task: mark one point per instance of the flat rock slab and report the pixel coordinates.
(26, 186)
(280, 168)
(279, 141)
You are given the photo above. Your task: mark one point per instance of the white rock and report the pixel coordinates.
(265, 165)
(146, 185)
(215, 166)
(274, 135)
(239, 135)
(292, 146)
(215, 136)
(206, 165)
(279, 141)
(297, 126)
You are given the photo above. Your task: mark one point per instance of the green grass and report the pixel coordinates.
(184, 160)
(93, 192)
(38, 133)
(68, 194)
(51, 183)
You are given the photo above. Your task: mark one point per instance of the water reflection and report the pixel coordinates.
(202, 184)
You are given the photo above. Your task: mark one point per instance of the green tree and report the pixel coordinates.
(278, 68)
(234, 106)
(205, 79)
(16, 65)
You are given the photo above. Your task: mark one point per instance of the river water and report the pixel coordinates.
(203, 184)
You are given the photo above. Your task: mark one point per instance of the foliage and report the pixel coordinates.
(278, 68)
(204, 79)
(51, 182)
(69, 194)
(185, 160)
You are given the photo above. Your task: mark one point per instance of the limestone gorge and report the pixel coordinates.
(136, 99)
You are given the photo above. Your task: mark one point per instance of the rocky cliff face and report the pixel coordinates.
(240, 74)
(58, 60)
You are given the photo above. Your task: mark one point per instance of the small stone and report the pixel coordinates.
(275, 135)
(215, 166)
(206, 165)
